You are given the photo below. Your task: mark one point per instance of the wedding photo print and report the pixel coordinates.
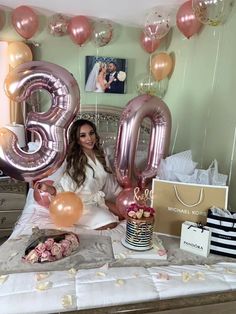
(105, 75)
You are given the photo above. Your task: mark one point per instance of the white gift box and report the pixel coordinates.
(195, 239)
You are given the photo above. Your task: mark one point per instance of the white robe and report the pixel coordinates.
(93, 193)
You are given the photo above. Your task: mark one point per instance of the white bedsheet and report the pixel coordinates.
(105, 286)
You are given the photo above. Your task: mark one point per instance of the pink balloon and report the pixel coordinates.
(25, 21)
(79, 29)
(186, 20)
(123, 200)
(149, 44)
(51, 126)
(41, 197)
(136, 110)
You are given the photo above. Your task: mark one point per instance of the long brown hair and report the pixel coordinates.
(76, 158)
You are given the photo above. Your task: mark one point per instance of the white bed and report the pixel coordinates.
(130, 282)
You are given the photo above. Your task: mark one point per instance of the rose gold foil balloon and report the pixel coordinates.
(102, 33)
(58, 24)
(2, 19)
(65, 209)
(41, 197)
(149, 44)
(79, 29)
(186, 20)
(18, 53)
(161, 65)
(51, 126)
(25, 21)
(123, 200)
(136, 110)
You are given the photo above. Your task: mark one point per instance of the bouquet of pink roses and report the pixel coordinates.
(52, 248)
(139, 212)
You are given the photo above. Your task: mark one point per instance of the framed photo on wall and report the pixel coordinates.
(105, 75)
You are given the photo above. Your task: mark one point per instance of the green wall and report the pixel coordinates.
(201, 93)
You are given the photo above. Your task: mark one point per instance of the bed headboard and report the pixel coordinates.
(107, 118)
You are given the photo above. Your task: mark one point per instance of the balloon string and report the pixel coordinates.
(232, 158)
(96, 98)
(80, 75)
(212, 91)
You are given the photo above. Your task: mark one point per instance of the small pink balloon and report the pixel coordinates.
(186, 21)
(79, 29)
(149, 44)
(41, 197)
(123, 200)
(25, 21)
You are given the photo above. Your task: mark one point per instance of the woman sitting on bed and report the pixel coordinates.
(88, 175)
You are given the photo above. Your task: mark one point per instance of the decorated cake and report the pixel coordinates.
(139, 225)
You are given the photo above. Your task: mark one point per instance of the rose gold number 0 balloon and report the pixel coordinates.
(51, 126)
(136, 110)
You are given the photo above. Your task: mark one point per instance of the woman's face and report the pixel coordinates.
(86, 137)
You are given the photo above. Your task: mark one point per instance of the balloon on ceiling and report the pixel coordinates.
(58, 24)
(102, 33)
(25, 21)
(186, 21)
(80, 29)
(149, 44)
(157, 23)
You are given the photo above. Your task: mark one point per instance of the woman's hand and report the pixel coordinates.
(112, 207)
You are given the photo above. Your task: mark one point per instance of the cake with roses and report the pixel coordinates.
(139, 227)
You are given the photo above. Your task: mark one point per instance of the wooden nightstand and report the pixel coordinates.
(12, 201)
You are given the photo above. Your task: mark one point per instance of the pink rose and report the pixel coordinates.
(32, 257)
(56, 249)
(65, 244)
(45, 257)
(40, 248)
(49, 243)
(67, 252)
(71, 237)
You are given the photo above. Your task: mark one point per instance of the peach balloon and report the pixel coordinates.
(161, 66)
(65, 209)
(18, 53)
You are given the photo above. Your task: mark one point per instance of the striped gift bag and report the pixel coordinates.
(223, 231)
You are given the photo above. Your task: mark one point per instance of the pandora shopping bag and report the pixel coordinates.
(176, 202)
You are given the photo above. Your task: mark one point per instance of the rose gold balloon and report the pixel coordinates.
(149, 44)
(79, 29)
(25, 21)
(186, 20)
(161, 66)
(123, 200)
(18, 53)
(65, 209)
(51, 126)
(136, 110)
(58, 24)
(2, 19)
(41, 197)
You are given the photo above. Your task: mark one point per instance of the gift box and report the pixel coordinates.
(195, 238)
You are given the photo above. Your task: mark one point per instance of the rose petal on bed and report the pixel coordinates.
(42, 276)
(100, 274)
(163, 276)
(209, 266)
(67, 301)
(200, 276)
(41, 286)
(72, 272)
(3, 278)
(119, 282)
(230, 271)
(104, 267)
(186, 276)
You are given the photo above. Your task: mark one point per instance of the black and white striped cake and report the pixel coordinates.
(139, 232)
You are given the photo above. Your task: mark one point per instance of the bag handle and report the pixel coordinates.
(188, 205)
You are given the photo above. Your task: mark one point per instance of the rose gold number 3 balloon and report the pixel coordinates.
(51, 126)
(136, 110)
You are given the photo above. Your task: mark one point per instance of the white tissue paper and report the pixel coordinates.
(181, 168)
